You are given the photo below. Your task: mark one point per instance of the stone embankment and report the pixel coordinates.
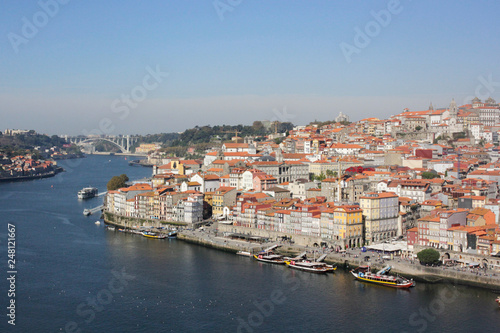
(352, 259)
(134, 223)
(211, 238)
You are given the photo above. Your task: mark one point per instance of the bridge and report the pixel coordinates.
(123, 143)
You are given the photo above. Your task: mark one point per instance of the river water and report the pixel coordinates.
(75, 276)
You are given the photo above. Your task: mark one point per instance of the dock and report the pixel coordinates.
(91, 211)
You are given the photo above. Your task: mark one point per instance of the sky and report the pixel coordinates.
(137, 67)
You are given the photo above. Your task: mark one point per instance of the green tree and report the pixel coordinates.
(428, 257)
(117, 182)
(429, 175)
(321, 177)
(418, 128)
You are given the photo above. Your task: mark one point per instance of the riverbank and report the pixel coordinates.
(143, 162)
(32, 177)
(352, 258)
(210, 237)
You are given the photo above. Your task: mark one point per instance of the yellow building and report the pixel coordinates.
(208, 197)
(223, 197)
(348, 225)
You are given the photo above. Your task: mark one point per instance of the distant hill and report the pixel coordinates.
(29, 141)
(205, 134)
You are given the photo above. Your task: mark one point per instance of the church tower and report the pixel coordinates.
(453, 109)
(279, 156)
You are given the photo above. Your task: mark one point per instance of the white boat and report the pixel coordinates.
(311, 266)
(97, 222)
(87, 193)
(244, 253)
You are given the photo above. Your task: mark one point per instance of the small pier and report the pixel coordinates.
(91, 211)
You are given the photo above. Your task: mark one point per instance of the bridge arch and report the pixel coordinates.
(90, 140)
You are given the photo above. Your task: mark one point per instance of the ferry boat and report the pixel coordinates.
(363, 273)
(311, 266)
(155, 235)
(87, 193)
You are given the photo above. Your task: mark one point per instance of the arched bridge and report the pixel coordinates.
(122, 142)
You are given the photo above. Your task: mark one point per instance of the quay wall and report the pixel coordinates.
(415, 271)
(272, 235)
(207, 243)
(133, 222)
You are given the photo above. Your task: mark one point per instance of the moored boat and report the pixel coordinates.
(498, 300)
(244, 253)
(155, 235)
(363, 273)
(311, 266)
(270, 258)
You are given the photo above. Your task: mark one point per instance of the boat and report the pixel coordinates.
(498, 300)
(172, 234)
(87, 193)
(110, 227)
(97, 222)
(244, 253)
(311, 266)
(155, 235)
(363, 273)
(270, 257)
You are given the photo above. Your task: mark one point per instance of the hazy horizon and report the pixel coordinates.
(73, 67)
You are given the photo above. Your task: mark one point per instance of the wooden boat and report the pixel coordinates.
(270, 258)
(155, 235)
(311, 266)
(244, 253)
(363, 273)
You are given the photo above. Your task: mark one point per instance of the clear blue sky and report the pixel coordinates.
(261, 56)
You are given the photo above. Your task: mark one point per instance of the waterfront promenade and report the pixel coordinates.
(212, 238)
(209, 237)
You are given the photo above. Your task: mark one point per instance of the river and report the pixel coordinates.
(75, 276)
